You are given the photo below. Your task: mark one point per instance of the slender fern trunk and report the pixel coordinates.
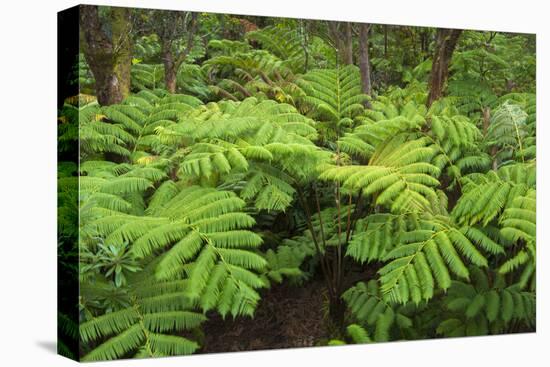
(109, 56)
(445, 46)
(330, 264)
(325, 265)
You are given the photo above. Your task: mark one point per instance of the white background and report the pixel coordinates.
(28, 191)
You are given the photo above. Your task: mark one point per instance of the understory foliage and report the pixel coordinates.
(270, 165)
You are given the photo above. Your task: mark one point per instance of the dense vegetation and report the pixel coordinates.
(221, 156)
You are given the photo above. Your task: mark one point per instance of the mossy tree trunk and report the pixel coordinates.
(108, 55)
(445, 45)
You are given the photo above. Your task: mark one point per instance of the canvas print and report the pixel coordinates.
(235, 182)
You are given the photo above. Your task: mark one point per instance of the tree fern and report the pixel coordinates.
(256, 141)
(150, 111)
(199, 234)
(147, 48)
(527, 102)
(217, 47)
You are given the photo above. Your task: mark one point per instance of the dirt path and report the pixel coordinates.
(287, 317)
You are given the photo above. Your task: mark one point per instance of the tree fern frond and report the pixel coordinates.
(118, 346)
(334, 94)
(485, 196)
(171, 345)
(428, 255)
(479, 311)
(397, 174)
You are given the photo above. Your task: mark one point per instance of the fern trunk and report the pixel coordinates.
(109, 57)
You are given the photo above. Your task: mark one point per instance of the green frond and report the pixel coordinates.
(376, 235)
(357, 334)
(192, 231)
(162, 195)
(118, 346)
(508, 128)
(397, 174)
(368, 307)
(170, 345)
(269, 167)
(487, 195)
(429, 255)
(108, 324)
(333, 94)
(172, 321)
(488, 309)
(285, 43)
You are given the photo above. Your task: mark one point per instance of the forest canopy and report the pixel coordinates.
(312, 182)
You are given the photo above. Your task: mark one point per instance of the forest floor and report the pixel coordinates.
(286, 317)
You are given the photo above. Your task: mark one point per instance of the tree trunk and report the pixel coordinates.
(348, 45)
(486, 113)
(170, 80)
(169, 69)
(304, 43)
(425, 43)
(343, 41)
(109, 58)
(445, 45)
(364, 62)
(173, 60)
(385, 41)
